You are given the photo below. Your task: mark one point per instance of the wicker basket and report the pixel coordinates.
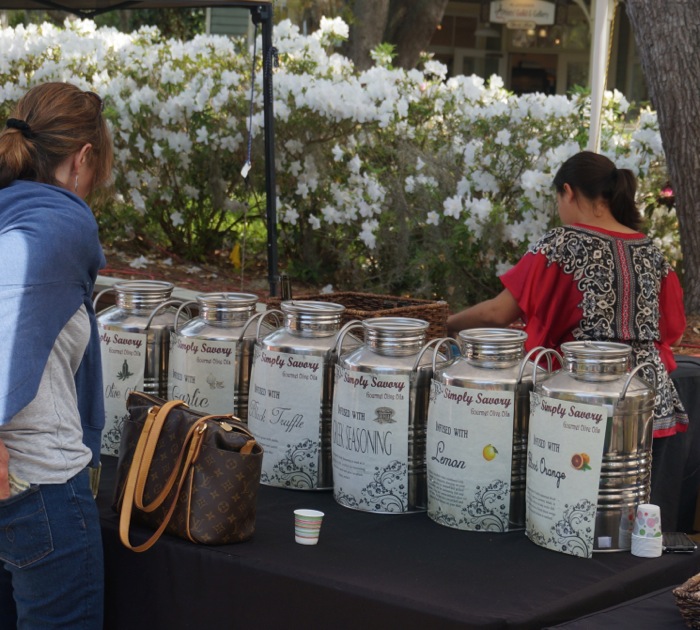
(688, 601)
(367, 305)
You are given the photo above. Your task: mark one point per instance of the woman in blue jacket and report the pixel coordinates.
(55, 150)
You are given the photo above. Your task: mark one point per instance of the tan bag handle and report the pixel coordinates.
(192, 446)
(141, 463)
(152, 429)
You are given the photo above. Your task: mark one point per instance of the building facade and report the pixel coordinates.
(535, 46)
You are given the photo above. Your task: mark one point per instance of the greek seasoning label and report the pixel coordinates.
(370, 440)
(284, 415)
(469, 452)
(564, 457)
(203, 373)
(123, 367)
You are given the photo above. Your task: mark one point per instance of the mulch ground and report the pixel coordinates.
(219, 274)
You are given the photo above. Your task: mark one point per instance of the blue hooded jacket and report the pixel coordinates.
(50, 255)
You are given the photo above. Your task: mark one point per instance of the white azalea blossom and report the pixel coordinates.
(453, 207)
(138, 201)
(139, 263)
(533, 147)
(436, 68)
(289, 215)
(503, 137)
(332, 27)
(433, 218)
(337, 153)
(367, 234)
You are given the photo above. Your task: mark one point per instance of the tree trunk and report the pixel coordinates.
(411, 27)
(668, 38)
(367, 30)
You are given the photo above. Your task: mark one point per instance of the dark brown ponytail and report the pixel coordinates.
(596, 177)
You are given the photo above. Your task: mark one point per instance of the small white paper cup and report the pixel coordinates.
(645, 547)
(307, 526)
(647, 524)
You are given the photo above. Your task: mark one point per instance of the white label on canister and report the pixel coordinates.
(284, 415)
(564, 456)
(370, 440)
(202, 372)
(469, 453)
(123, 367)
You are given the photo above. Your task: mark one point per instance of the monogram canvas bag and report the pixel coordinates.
(185, 473)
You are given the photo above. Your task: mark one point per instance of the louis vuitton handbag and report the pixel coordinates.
(185, 473)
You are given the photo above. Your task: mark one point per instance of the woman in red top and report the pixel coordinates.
(596, 278)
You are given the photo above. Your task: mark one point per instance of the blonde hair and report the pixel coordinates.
(50, 123)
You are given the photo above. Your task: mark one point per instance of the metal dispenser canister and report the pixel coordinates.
(477, 433)
(135, 346)
(594, 400)
(211, 355)
(291, 393)
(380, 408)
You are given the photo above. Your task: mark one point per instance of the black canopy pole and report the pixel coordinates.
(263, 15)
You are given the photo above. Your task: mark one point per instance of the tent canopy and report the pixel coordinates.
(94, 7)
(261, 13)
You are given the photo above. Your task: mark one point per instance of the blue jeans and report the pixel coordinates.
(51, 563)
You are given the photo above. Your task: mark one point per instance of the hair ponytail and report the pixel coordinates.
(596, 177)
(622, 199)
(15, 157)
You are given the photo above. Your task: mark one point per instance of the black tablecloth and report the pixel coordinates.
(675, 476)
(657, 610)
(368, 570)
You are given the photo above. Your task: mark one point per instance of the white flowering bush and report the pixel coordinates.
(387, 180)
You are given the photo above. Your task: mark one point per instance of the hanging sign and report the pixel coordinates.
(564, 456)
(522, 12)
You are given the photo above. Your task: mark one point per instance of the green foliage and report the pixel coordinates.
(172, 23)
(384, 54)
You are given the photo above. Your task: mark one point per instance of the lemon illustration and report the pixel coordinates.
(489, 452)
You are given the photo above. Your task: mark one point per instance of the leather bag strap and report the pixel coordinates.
(146, 458)
(192, 446)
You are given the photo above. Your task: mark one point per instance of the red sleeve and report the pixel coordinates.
(548, 298)
(671, 312)
(671, 319)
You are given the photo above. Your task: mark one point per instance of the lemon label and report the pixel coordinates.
(469, 450)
